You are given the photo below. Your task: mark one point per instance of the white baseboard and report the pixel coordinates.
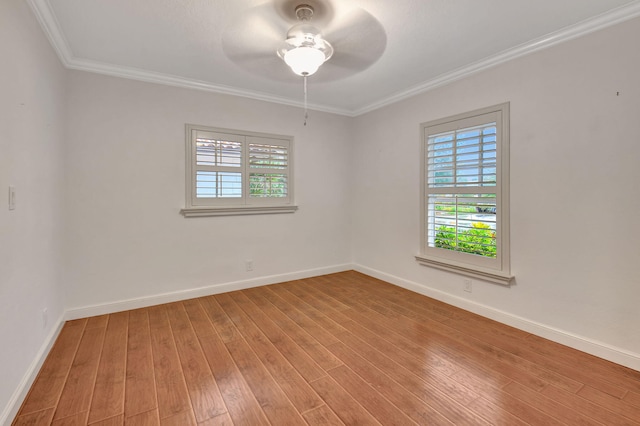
(590, 346)
(12, 407)
(143, 302)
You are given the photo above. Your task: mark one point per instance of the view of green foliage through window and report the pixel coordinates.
(462, 171)
(267, 157)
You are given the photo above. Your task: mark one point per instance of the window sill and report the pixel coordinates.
(497, 277)
(235, 211)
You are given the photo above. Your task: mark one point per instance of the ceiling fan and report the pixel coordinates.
(349, 39)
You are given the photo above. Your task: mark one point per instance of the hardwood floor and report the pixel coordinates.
(338, 349)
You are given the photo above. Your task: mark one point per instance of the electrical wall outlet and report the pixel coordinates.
(467, 286)
(248, 265)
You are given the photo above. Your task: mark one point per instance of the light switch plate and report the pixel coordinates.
(12, 197)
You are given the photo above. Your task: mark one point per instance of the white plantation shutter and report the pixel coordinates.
(236, 170)
(464, 217)
(218, 166)
(268, 168)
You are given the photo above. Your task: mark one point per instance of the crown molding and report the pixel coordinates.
(580, 29)
(187, 83)
(49, 23)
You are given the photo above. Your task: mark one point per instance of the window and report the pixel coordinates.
(231, 172)
(465, 194)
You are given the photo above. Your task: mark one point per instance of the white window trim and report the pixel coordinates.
(227, 207)
(500, 271)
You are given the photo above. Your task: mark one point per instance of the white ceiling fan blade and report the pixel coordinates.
(358, 39)
(259, 31)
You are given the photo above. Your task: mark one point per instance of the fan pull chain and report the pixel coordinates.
(306, 114)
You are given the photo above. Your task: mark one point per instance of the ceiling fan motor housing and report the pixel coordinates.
(304, 12)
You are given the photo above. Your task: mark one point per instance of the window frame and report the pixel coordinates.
(498, 269)
(245, 204)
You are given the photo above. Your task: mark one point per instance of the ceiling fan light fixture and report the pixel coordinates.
(303, 60)
(305, 49)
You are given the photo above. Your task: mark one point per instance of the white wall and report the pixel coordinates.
(574, 187)
(32, 116)
(125, 186)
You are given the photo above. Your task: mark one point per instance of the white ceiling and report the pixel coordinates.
(414, 45)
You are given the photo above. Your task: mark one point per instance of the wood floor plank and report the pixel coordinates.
(200, 322)
(206, 399)
(495, 414)
(409, 347)
(78, 389)
(621, 407)
(37, 418)
(78, 419)
(48, 386)
(545, 404)
(298, 312)
(140, 385)
(435, 389)
(415, 408)
(286, 345)
(108, 394)
(513, 353)
(633, 398)
(342, 403)
(271, 305)
(481, 380)
(274, 402)
(221, 420)
(171, 389)
(147, 418)
(184, 418)
(592, 409)
(374, 402)
(240, 402)
(322, 416)
(430, 308)
(113, 421)
(99, 321)
(313, 308)
(220, 320)
(288, 378)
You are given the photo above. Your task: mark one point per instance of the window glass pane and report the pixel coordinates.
(206, 184)
(463, 223)
(218, 185)
(230, 184)
(268, 185)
